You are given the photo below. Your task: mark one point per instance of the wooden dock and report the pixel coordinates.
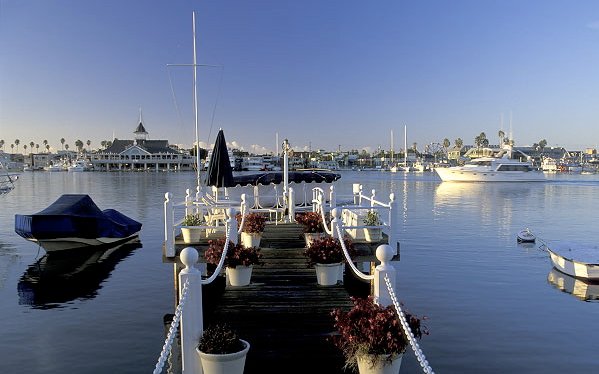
(284, 314)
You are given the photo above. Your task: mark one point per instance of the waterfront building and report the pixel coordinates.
(141, 154)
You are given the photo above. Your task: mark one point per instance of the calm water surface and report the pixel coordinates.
(492, 304)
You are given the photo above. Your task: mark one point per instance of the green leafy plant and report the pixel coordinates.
(327, 250)
(370, 329)
(312, 221)
(237, 254)
(193, 220)
(372, 218)
(220, 339)
(254, 223)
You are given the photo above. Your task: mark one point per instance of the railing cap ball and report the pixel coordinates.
(335, 212)
(384, 253)
(189, 256)
(168, 195)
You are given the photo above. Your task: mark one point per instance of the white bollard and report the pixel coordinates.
(384, 253)
(192, 319)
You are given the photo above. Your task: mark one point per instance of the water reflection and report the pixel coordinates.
(581, 289)
(59, 277)
(492, 203)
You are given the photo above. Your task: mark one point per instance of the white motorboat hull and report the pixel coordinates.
(574, 268)
(460, 174)
(63, 244)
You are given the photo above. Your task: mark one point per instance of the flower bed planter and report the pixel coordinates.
(239, 276)
(328, 274)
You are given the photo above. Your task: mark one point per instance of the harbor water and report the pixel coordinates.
(492, 305)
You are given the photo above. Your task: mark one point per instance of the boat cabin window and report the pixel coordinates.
(505, 167)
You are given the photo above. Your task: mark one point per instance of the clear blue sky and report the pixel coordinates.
(325, 74)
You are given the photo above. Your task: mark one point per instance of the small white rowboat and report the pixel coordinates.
(525, 236)
(577, 260)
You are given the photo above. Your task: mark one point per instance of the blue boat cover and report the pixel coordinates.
(75, 215)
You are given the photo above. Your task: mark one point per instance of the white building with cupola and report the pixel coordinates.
(142, 154)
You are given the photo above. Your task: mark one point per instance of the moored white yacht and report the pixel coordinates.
(497, 168)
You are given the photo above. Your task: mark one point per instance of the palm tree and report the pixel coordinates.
(458, 142)
(66, 146)
(481, 140)
(47, 147)
(25, 148)
(62, 142)
(103, 144)
(45, 144)
(17, 141)
(79, 145)
(31, 144)
(88, 142)
(11, 147)
(2, 144)
(446, 143)
(37, 148)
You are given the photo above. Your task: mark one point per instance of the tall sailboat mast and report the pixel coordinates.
(392, 150)
(405, 145)
(195, 101)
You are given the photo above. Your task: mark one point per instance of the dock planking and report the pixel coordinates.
(284, 313)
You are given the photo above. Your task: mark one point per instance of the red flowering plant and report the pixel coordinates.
(327, 250)
(312, 221)
(237, 254)
(372, 330)
(254, 223)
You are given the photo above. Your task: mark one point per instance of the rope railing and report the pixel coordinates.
(355, 270)
(172, 331)
(407, 331)
(221, 262)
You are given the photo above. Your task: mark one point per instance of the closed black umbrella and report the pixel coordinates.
(220, 173)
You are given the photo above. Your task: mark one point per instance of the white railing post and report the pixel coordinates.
(169, 229)
(356, 189)
(335, 222)
(372, 197)
(188, 200)
(231, 226)
(384, 253)
(392, 241)
(291, 205)
(192, 320)
(335, 225)
(333, 198)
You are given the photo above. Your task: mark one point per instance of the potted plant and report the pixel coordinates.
(372, 234)
(239, 260)
(312, 225)
(253, 227)
(221, 350)
(326, 255)
(190, 233)
(371, 337)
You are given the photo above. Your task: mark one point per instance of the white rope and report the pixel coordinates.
(166, 348)
(407, 331)
(349, 259)
(219, 267)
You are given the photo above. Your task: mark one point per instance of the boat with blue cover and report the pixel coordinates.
(74, 221)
